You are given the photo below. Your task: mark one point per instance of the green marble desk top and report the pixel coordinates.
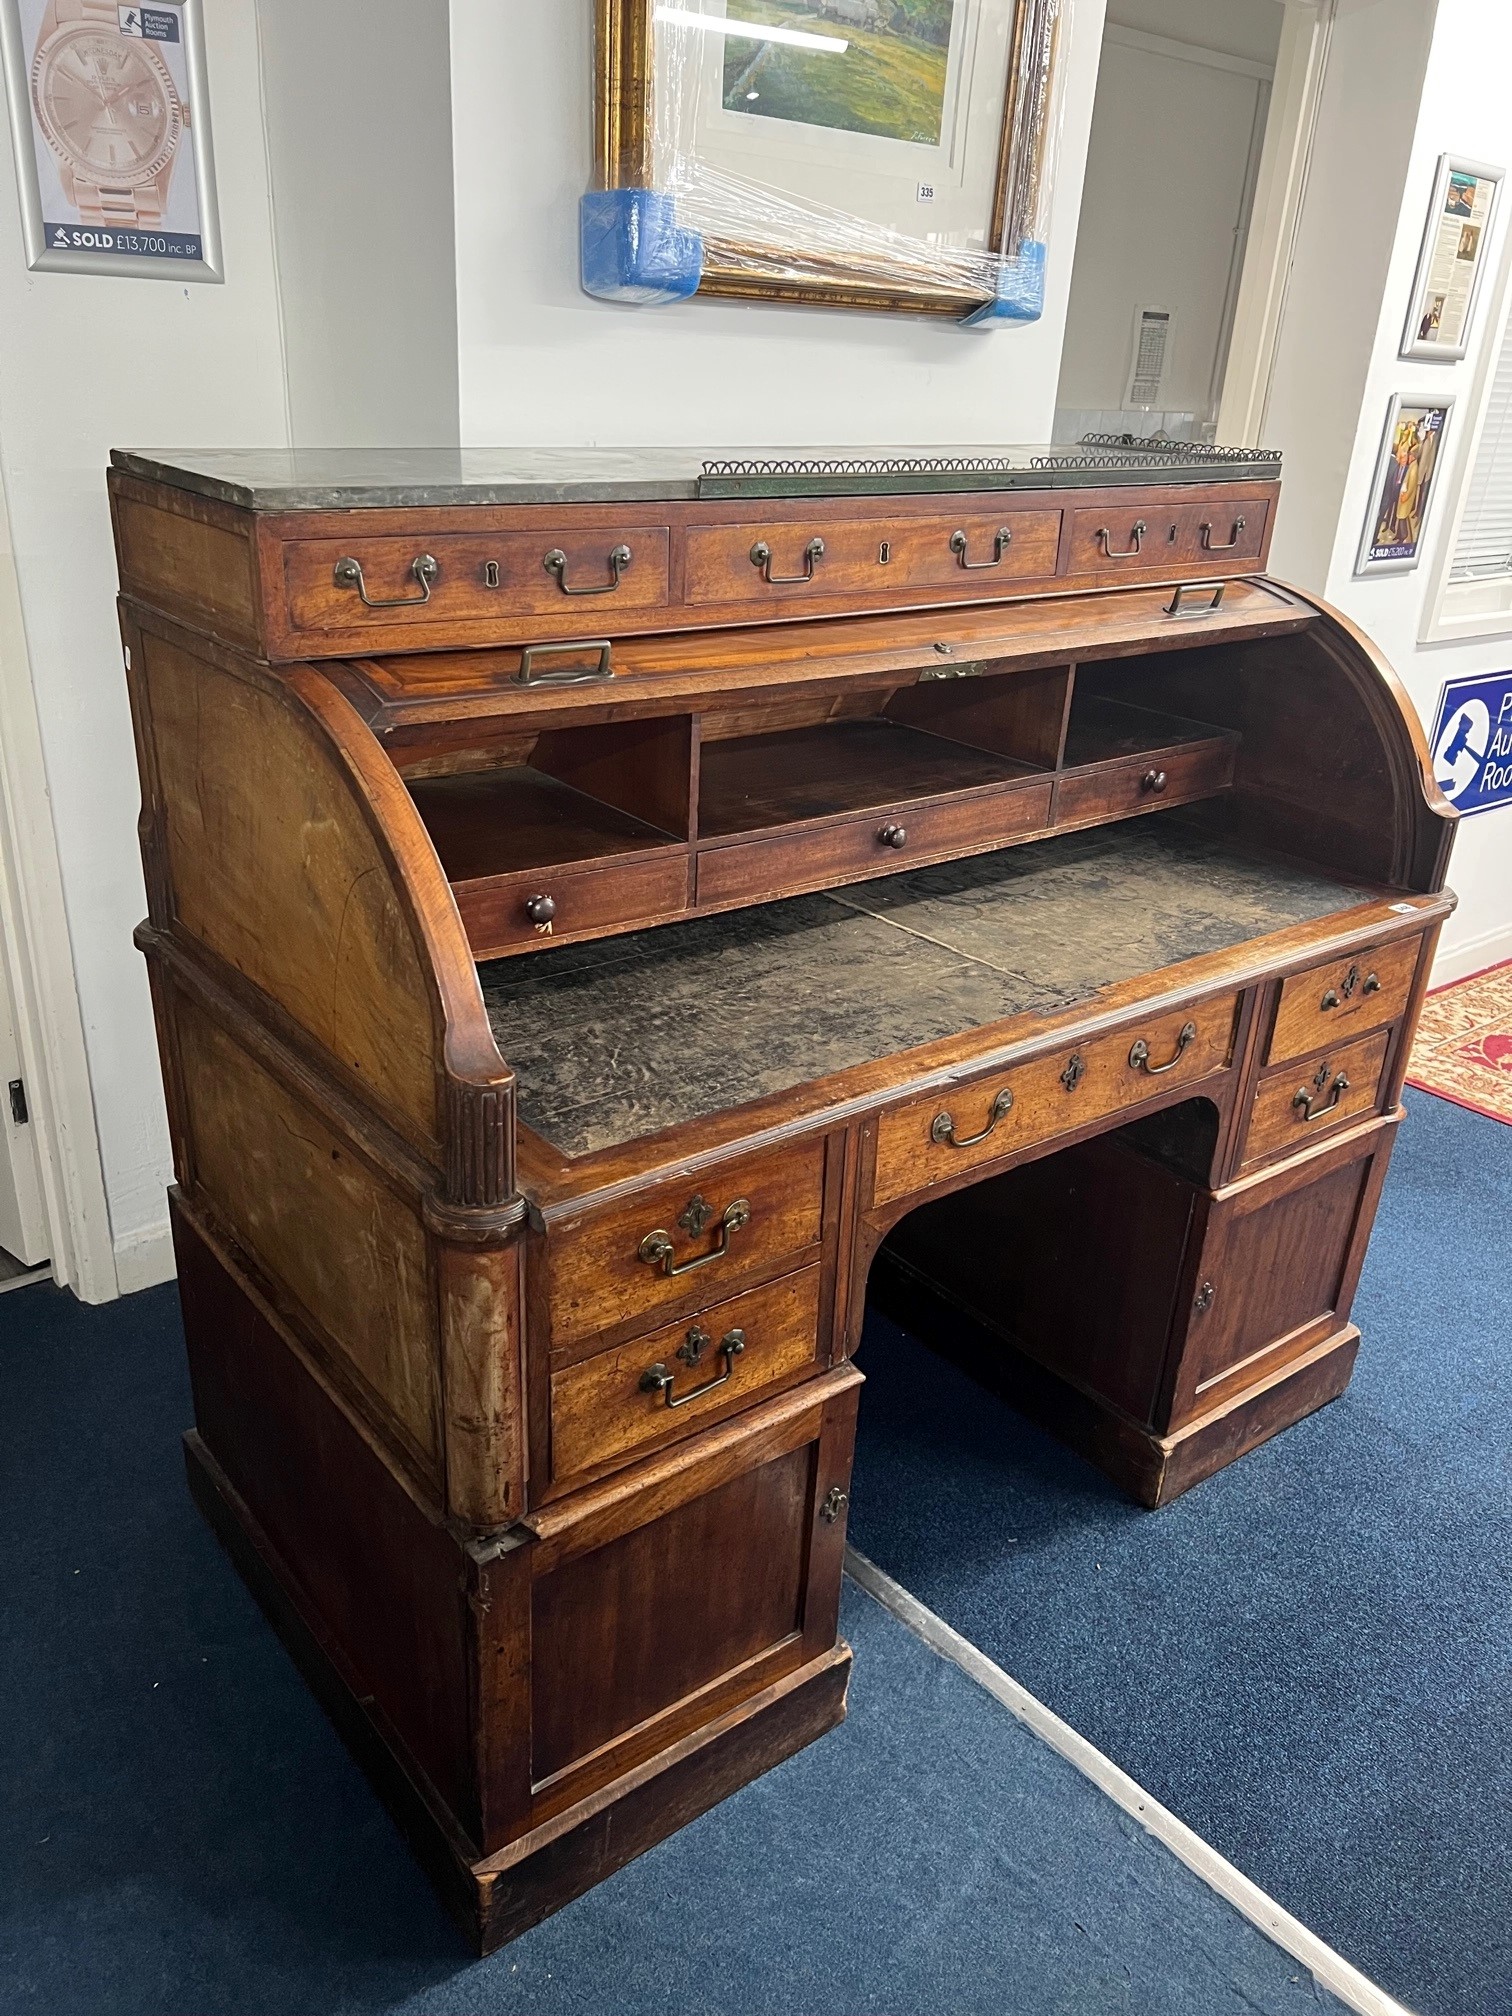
(625, 1036)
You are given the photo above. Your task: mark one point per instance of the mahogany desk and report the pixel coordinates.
(591, 911)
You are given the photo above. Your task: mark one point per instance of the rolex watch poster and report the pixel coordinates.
(109, 117)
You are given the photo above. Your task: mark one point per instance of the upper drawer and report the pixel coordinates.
(969, 554)
(445, 578)
(1168, 538)
(986, 1119)
(684, 1241)
(1364, 991)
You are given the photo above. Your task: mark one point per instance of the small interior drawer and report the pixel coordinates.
(872, 843)
(476, 576)
(681, 1377)
(1361, 992)
(1146, 782)
(992, 1117)
(965, 553)
(679, 1243)
(508, 913)
(1298, 1102)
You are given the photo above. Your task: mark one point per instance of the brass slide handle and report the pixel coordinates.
(1212, 589)
(657, 1379)
(1139, 1056)
(761, 556)
(1209, 545)
(555, 562)
(943, 1127)
(347, 573)
(1304, 1099)
(656, 1248)
(1000, 545)
(1123, 552)
(569, 675)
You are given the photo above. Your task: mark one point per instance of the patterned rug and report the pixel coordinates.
(1463, 1049)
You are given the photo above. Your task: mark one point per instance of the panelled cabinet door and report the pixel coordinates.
(1276, 1272)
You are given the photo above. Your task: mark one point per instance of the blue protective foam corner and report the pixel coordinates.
(1020, 290)
(633, 249)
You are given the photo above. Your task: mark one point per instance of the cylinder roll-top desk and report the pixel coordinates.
(600, 907)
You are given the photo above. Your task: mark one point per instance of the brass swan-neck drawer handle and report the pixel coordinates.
(1303, 1102)
(657, 1379)
(1139, 1056)
(761, 556)
(959, 543)
(347, 573)
(943, 1127)
(1211, 545)
(1123, 552)
(555, 562)
(656, 1249)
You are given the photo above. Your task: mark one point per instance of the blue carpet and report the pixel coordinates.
(184, 1835)
(1309, 1656)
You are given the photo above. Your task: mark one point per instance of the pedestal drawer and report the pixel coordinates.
(992, 1117)
(1343, 997)
(1297, 1103)
(680, 1243)
(683, 1376)
(872, 843)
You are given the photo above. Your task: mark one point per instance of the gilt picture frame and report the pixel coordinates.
(938, 108)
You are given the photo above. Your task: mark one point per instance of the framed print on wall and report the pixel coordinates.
(110, 119)
(854, 153)
(1456, 246)
(1401, 492)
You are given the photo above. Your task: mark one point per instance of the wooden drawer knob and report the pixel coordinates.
(540, 910)
(1153, 781)
(894, 836)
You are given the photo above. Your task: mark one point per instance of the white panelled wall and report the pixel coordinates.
(88, 364)
(1405, 85)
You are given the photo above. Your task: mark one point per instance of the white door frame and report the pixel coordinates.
(1301, 60)
(40, 969)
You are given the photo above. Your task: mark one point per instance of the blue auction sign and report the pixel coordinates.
(1472, 742)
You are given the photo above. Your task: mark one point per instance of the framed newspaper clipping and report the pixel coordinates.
(1452, 263)
(110, 119)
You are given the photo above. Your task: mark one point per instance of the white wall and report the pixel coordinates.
(1249, 28)
(87, 364)
(541, 362)
(359, 144)
(1344, 319)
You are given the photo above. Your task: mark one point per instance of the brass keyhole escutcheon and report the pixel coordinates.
(1074, 1073)
(835, 1502)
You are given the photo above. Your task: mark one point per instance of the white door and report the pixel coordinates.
(1168, 182)
(23, 1226)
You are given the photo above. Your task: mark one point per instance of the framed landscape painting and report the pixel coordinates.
(865, 153)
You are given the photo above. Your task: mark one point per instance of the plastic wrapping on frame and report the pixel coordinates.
(663, 222)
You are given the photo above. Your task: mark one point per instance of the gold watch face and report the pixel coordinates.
(107, 104)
